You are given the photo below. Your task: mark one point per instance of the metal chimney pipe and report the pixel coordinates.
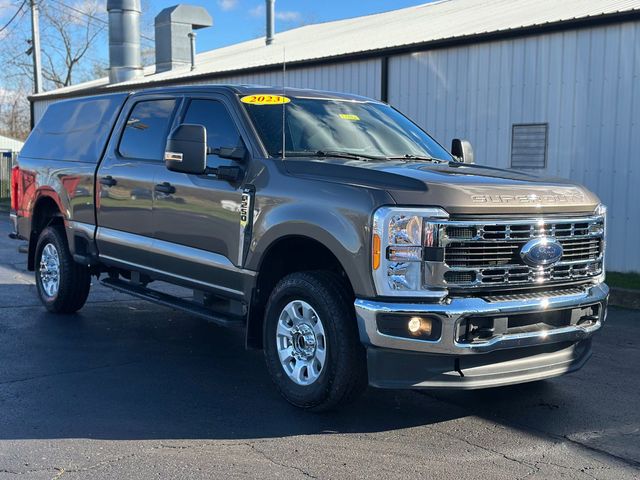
(125, 62)
(271, 21)
(175, 37)
(192, 38)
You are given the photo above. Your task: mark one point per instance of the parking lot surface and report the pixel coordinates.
(128, 389)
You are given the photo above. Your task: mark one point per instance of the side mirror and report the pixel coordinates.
(463, 150)
(186, 149)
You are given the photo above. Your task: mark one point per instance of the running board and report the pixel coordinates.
(172, 302)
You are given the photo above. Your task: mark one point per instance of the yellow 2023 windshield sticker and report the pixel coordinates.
(349, 116)
(265, 99)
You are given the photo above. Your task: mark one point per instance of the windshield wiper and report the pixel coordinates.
(410, 156)
(355, 156)
(334, 153)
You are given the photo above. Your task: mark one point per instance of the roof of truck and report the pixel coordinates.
(431, 25)
(255, 90)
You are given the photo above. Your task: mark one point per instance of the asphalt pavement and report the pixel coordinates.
(131, 390)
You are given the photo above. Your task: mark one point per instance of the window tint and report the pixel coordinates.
(145, 134)
(221, 131)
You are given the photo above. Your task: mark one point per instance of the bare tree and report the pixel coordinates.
(73, 43)
(70, 32)
(14, 112)
(67, 38)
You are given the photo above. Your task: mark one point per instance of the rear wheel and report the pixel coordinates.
(311, 341)
(62, 284)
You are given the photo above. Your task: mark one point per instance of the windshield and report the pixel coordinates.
(322, 127)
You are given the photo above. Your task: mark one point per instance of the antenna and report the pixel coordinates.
(284, 94)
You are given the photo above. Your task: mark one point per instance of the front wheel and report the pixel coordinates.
(63, 285)
(311, 342)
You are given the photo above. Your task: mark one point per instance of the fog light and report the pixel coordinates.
(414, 324)
(415, 327)
(419, 326)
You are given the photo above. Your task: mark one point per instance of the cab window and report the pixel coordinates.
(221, 130)
(145, 134)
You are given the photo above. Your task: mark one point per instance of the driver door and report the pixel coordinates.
(197, 217)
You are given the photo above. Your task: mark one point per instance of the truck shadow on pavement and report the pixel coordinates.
(132, 370)
(124, 369)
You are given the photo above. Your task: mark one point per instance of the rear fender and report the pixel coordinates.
(42, 209)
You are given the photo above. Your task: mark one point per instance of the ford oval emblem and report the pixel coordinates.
(541, 251)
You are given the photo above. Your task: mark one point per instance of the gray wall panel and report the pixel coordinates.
(585, 84)
(362, 78)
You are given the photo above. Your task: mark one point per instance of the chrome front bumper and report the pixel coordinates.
(452, 312)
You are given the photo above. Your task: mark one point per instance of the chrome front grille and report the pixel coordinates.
(487, 254)
(479, 254)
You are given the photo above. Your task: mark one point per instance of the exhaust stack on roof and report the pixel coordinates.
(174, 35)
(271, 21)
(124, 40)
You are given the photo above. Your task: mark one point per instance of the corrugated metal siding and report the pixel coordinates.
(39, 107)
(585, 84)
(361, 78)
(6, 162)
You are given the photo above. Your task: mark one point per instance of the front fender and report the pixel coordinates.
(342, 227)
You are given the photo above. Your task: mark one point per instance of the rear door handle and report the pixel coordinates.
(165, 187)
(108, 181)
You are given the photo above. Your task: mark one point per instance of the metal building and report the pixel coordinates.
(9, 148)
(544, 85)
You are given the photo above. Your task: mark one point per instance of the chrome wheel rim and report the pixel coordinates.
(50, 270)
(301, 342)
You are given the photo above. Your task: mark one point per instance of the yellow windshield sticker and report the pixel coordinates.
(349, 116)
(265, 99)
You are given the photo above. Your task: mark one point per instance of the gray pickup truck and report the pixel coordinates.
(348, 244)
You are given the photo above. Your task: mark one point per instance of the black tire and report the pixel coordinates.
(74, 279)
(344, 374)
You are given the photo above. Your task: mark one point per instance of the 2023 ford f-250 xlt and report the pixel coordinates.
(363, 253)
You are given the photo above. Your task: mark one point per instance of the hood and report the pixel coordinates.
(458, 188)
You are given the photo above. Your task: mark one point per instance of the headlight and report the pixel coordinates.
(399, 238)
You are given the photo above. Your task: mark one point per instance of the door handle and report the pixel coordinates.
(165, 187)
(108, 181)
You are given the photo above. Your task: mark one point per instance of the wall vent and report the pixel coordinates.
(529, 145)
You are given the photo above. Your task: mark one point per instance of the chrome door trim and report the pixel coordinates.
(166, 275)
(181, 253)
